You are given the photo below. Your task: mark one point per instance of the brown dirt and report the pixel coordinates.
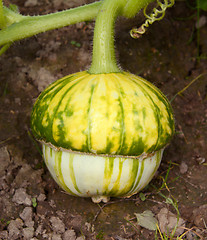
(167, 55)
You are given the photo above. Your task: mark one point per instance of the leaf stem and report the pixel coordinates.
(32, 25)
(4, 48)
(2, 17)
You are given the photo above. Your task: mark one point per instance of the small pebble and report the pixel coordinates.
(41, 197)
(4, 160)
(4, 234)
(200, 216)
(17, 101)
(57, 225)
(14, 228)
(69, 235)
(120, 238)
(81, 238)
(183, 168)
(26, 215)
(202, 22)
(28, 233)
(30, 3)
(56, 237)
(88, 226)
(39, 230)
(21, 197)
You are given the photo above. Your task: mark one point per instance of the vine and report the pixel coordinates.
(14, 26)
(157, 14)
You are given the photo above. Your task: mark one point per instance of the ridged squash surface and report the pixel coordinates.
(115, 113)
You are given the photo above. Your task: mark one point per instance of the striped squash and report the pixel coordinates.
(115, 119)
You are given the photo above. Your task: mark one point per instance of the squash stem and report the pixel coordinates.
(104, 60)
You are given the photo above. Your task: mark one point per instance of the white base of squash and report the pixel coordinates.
(100, 177)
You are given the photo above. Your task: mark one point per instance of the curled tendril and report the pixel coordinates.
(157, 14)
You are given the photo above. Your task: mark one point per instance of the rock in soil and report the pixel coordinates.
(4, 235)
(200, 216)
(56, 237)
(183, 168)
(30, 3)
(69, 235)
(27, 215)
(4, 160)
(41, 197)
(14, 228)
(57, 225)
(80, 238)
(28, 233)
(21, 197)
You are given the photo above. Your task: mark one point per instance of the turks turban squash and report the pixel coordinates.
(102, 134)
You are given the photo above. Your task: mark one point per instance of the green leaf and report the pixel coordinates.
(78, 45)
(202, 4)
(34, 202)
(147, 220)
(142, 197)
(169, 201)
(75, 43)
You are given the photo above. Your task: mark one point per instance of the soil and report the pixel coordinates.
(171, 54)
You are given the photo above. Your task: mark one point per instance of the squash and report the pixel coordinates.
(103, 135)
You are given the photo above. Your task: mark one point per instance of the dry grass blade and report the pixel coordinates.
(190, 230)
(185, 88)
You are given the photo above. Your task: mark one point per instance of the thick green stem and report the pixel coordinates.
(2, 18)
(104, 60)
(30, 26)
(12, 16)
(133, 6)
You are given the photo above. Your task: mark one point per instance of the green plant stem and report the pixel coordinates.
(2, 17)
(104, 60)
(12, 16)
(32, 25)
(16, 26)
(132, 7)
(4, 48)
